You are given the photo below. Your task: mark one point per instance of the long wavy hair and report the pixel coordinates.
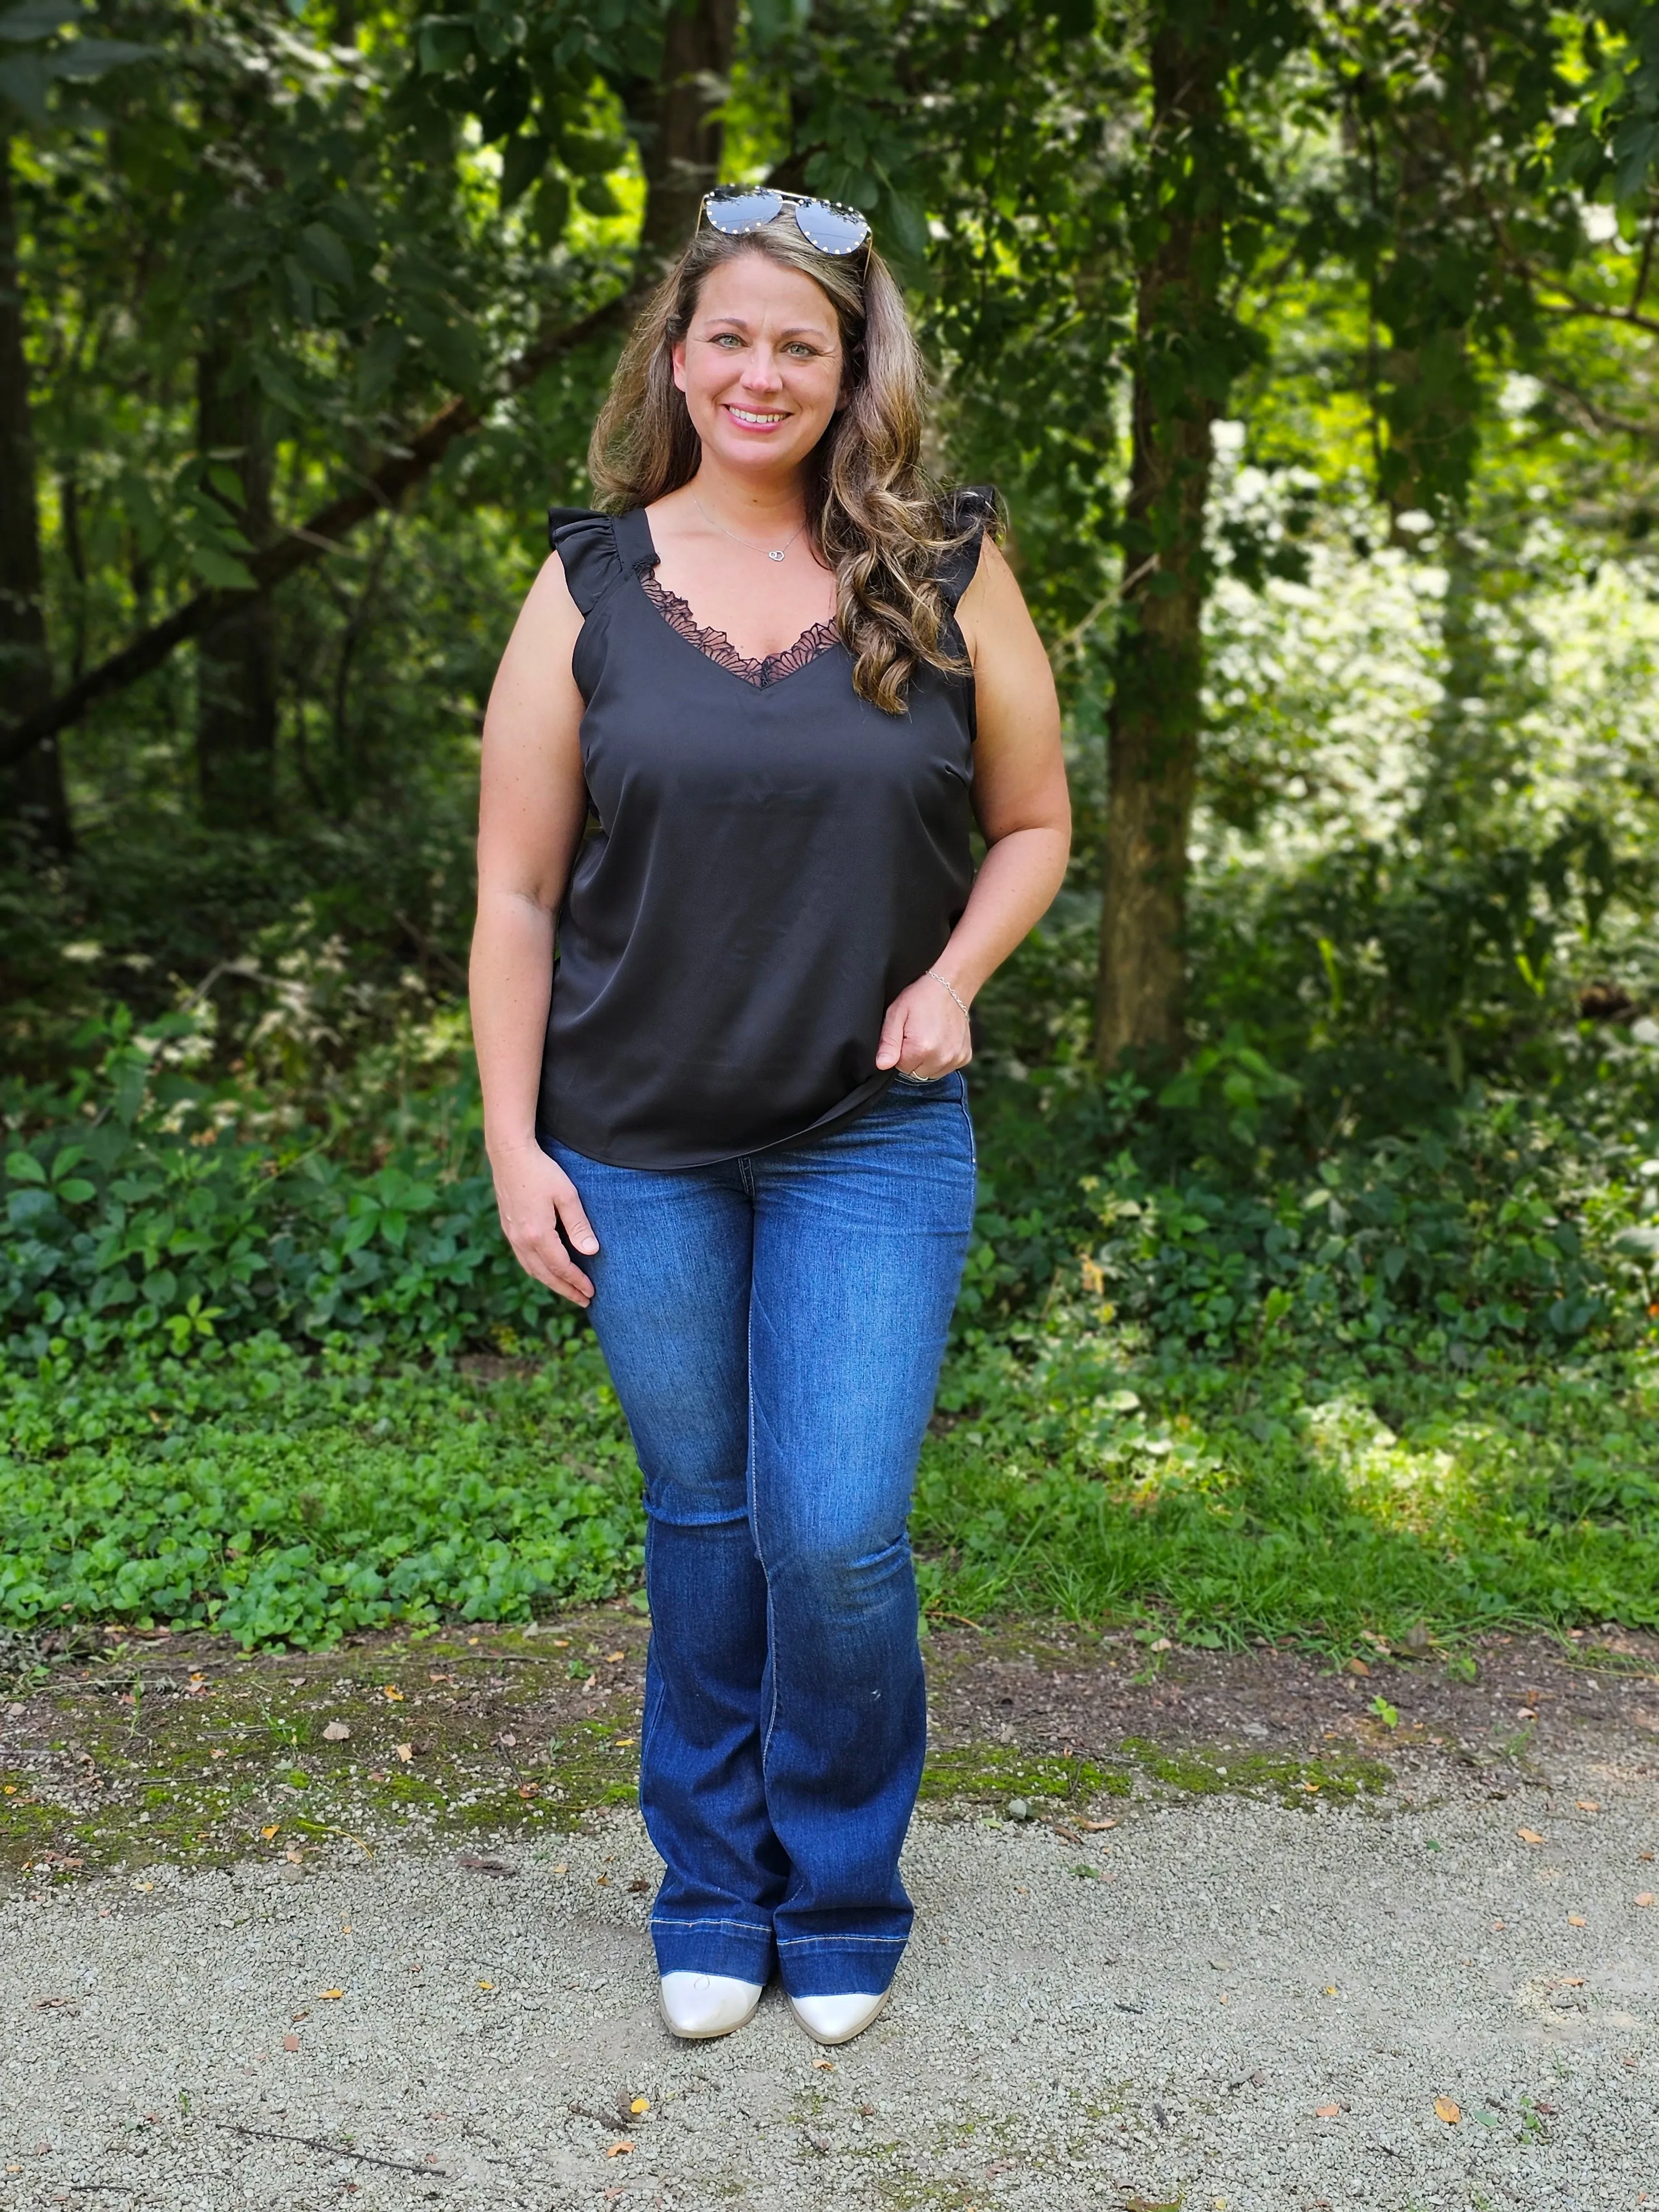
(872, 514)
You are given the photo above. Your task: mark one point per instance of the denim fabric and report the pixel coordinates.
(774, 1325)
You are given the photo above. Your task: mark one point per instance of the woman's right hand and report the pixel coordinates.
(535, 1198)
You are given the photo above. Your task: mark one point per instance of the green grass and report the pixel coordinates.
(1285, 1498)
(280, 1496)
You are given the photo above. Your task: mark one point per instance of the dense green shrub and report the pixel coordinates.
(280, 1496)
(139, 1214)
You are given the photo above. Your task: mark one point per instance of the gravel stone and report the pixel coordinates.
(1164, 2027)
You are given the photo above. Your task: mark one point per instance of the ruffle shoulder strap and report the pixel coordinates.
(970, 512)
(586, 543)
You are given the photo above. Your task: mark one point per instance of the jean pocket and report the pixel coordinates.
(919, 1082)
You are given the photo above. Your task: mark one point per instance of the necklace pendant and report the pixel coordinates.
(774, 556)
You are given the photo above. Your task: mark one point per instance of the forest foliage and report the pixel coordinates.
(1312, 349)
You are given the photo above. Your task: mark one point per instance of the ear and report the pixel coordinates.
(677, 355)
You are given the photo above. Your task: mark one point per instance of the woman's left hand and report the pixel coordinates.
(925, 1032)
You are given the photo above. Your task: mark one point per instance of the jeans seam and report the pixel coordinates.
(742, 1926)
(841, 1942)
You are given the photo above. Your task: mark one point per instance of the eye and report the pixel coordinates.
(727, 338)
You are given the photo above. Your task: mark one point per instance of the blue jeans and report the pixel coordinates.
(773, 1327)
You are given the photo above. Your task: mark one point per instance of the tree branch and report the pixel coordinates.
(301, 546)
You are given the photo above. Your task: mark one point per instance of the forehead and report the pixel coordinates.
(753, 288)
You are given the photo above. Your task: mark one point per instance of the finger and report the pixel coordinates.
(892, 1037)
(557, 1271)
(573, 1220)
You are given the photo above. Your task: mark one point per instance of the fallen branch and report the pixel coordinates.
(334, 2150)
(302, 546)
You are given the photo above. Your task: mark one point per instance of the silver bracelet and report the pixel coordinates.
(951, 989)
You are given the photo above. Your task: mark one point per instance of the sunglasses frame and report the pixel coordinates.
(797, 200)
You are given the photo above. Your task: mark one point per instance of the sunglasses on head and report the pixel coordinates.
(734, 210)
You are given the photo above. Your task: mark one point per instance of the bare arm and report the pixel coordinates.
(1023, 808)
(532, 801)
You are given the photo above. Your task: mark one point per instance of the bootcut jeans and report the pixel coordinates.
(774, 1325)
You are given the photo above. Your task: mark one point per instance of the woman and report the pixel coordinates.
(736, 745)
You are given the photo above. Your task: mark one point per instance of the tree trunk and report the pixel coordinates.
(32, 786)
(1153, 732)
(236, 658)
(681, 137)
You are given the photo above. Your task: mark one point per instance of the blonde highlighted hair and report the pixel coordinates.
(872, 514)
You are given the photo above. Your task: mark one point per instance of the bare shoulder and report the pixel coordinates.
(991, 612)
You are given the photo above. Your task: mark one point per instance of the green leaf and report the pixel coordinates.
(522, 163)
(323, 253)
(38, 19)
(597, 196)
(77, 1190)
(220, 570)
(23, 1167)
(445, 42)
(86, 58)
(23, 80)
(551, 208)
(377, 364)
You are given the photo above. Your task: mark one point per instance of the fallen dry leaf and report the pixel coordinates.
(391, 1691)
(563, 1867)
(268, 1832)
(641, 2105)
(478, 1862)
(405, 1752)
(613, 1658)
(336, 1732)
(1096, 1827)
(1577, 1920)
(1645, 1897)
(290, 2042)
(1445, 2110)
(638, 1887)
(619, 2149)
(1529, 1835)
(486, 1985)
(1327, 2111)
(330, 1993)
(1358, 1666)
(1588, 1804)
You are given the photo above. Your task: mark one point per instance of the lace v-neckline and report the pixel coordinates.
(715, 646)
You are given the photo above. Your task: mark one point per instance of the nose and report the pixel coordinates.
(761, 373)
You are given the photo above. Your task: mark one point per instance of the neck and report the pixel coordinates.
(757, 506)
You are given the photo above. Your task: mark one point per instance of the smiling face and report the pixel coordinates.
(760, 366)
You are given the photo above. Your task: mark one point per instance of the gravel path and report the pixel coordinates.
(1216, 2002)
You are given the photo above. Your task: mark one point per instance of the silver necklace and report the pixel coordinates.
(736, 540)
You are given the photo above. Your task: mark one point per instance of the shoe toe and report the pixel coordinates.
(837, 2019)
(698, 2006)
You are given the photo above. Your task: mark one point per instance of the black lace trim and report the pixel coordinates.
(719, 648)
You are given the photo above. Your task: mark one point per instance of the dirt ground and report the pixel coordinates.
(118, 1749)
(1226, 1932)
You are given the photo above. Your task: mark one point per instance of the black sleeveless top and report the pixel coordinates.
(769, 861)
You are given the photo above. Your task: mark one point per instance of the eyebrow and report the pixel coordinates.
(794, 330)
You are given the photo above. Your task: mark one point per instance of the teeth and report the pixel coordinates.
(742, 415)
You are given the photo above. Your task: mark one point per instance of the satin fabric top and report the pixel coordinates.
(770, 860)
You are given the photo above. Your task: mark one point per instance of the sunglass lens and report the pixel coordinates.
(832, 228)
(737, 211)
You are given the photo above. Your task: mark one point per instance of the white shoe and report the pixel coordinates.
(836, 2020)
(700, 2005)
